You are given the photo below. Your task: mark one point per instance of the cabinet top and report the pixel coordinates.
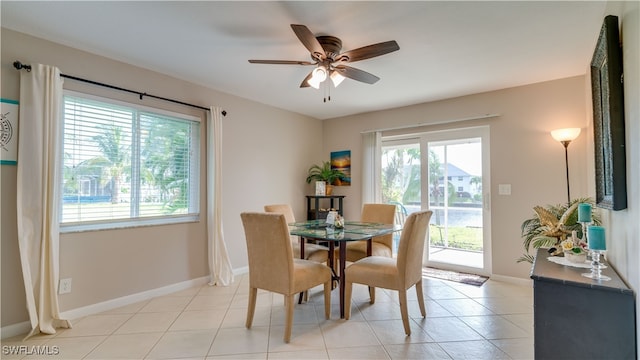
(325, 196)
(545, 270)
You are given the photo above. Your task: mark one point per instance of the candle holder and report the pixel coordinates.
(596, 267)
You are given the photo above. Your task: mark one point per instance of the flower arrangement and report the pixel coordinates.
(553, 224)
(574, 248)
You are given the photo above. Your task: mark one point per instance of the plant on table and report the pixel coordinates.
(325, 173)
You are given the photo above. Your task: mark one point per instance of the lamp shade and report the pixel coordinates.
(568, 134)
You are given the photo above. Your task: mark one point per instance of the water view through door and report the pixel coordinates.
(443, 172)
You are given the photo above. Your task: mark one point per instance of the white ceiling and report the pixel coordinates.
(447, 49)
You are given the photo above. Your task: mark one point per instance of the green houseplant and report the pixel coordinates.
(325, 173)
(551, 225)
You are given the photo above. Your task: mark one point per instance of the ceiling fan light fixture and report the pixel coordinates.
(318, 75)
(336, 78)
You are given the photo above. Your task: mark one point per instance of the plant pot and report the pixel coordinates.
(328, 189)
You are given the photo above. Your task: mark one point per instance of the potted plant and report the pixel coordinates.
(551, 225)
(325, 173)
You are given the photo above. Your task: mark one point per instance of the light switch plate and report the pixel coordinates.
(504, 189)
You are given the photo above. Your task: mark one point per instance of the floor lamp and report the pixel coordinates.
(565, 136)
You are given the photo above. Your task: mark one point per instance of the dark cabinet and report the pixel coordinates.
(576, 317)
(319, 206)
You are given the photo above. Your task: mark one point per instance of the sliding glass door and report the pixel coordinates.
(446, 172)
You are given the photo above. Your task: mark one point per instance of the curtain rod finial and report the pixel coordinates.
(18, 65)
(224, 113)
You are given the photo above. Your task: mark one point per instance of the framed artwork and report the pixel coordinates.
(341, 160)
(9, 132)
(608, 118)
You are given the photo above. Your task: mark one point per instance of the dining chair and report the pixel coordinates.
(314, 252)
(272, 266)
(399, 273)
(380, 245)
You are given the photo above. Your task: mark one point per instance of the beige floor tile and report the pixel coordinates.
(494, 327)
(253, 356)
(481, 349)
(181, 344)
(416, 351)
(240, 341)
(301, 354)
(494, 320)
(449, 329)
(508, 305)
(166, 303)
(516, 348)
(96, 325)
(392, 332)
(69, 348)
(377, 352)
(198, 320)
(464, 307)
(303, 337)
(237, 317)
(148, 322)
(346, 333)
(128, 346)
(218, 301)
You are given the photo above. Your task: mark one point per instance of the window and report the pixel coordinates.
(127, 165)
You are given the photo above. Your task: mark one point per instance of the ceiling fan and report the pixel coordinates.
(329, 61)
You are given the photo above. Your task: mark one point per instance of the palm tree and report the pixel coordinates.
(115, 162)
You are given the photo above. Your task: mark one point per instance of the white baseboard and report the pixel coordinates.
(25, 327)
(10, 331)
(512, 280)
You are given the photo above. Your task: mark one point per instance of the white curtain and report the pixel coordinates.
(219, 263)
(38, 194)
(371, 167)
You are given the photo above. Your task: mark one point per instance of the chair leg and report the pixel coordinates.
(423, 311)
(251, 308)
(348, 288)
(402, 295)
(372, 295)
(289, 301)
(327, 299)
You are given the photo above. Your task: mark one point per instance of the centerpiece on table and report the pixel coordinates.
(554, 224)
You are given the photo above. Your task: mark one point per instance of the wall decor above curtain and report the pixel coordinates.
(608, 118)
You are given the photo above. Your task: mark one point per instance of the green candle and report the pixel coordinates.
(595, 237)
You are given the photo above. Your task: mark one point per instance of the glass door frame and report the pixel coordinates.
(422, 139)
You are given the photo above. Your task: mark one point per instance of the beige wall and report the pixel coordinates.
(266, 154)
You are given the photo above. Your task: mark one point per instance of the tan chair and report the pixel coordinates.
(314, 252)
(380, 245)
(272, 266)
(395, 274)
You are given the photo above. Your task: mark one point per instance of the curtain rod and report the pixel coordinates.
(19, 66)
(487, 116)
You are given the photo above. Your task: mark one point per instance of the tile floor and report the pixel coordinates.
(493, 321)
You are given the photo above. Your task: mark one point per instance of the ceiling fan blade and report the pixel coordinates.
(282, 62)
(356, 74)
(305, 82)
(370, 51)
(309, 41)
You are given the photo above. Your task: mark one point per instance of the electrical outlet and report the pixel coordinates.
(65, 286)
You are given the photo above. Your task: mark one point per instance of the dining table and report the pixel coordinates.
(321, 232)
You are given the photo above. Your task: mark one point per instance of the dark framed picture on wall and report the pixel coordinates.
(608, 118)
